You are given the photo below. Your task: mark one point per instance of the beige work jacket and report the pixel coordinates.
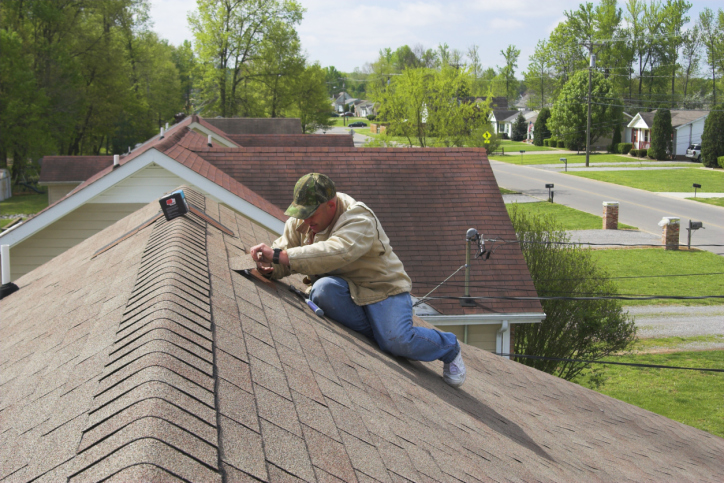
(353, 247)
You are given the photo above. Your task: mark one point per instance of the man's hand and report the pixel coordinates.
(263, 255)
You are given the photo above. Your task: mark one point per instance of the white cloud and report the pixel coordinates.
(169, 18)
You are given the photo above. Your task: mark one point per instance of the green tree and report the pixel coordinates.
(423, 105)
(569, 114)
(661, 134)
(520, 128)
(541, 131)
(615, 138)
(539, 76)
(229, 35)
(507, 72)
(712, 139)
(712, 33)
(580, 329)
(674, 20)
(310, 99)
(185, 61)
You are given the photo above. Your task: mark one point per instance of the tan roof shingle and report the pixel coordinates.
(155, 361)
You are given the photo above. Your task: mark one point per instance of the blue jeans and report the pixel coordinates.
(388, 322)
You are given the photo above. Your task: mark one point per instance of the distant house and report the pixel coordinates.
(502, 120)
(364, 109)
(688, 126)
(342, 101)
(62, 174)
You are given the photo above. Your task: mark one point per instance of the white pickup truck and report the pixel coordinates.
(694, 152)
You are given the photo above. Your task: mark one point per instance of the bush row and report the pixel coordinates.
(623, 148)
(639, 153)
(554, 143)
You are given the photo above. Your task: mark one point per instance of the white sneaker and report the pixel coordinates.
(454, 372)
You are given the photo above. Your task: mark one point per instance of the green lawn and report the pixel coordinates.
(665, 272)
(695, 398)
(516, 146)
(569, 218)
(662, 180)
(24, 204)
(709, 201)
(577, 159)
(504, 191)
(6, 221)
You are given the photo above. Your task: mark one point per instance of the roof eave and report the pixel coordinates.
(484, 319)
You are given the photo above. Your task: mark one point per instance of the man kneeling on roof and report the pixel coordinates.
(356, 277)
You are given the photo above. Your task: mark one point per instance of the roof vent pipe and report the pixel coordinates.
(166, 126)
(208, 142)
(5, 255)
(116, 161)
(161, 133)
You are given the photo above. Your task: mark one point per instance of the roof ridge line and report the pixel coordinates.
(121, 433)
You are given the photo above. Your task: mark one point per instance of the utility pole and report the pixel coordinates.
(591, 66)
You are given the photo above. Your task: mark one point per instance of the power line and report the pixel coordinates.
(601, 297)
(633, 364)
(498, 284)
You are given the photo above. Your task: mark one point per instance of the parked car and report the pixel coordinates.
(357, 124)
(333, 114)
(348, 114)
(694, 152)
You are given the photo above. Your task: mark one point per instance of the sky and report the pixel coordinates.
(348, 34)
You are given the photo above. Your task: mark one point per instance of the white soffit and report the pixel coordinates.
(484, 319)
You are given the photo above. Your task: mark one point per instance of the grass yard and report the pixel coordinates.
(656, 271)
(516, 146)
(6, 221)
(695, 398)
(505, 191)
(573, 158)
(24, 204)
(709, 201)
(662, 180)
(569, 218)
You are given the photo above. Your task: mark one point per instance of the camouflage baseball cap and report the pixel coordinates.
(311, 190)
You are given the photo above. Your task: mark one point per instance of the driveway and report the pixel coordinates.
(639, 208)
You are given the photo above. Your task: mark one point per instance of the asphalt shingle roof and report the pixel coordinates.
(292, 140)
(72, 169)
(154, 361)
(426, 200)
(253, 125)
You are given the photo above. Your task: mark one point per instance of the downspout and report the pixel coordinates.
(502, 339)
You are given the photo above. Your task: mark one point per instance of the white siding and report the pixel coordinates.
(57, 191)
(688, 135)
(145, 186)
(480, 336)
(65, 233)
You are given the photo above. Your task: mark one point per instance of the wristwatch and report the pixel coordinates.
(275, 258)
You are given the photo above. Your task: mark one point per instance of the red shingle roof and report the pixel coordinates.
(426, 200)
(292, 140)
(256, 125)
(71, 169)
(155, 362)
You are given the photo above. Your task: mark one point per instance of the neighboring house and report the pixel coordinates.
(154, 361)
(364, 109)
(688, 127)
(342, 101)
(502, 120)
(62, 174)
(256, 125)
(396, 184)
(144, 175)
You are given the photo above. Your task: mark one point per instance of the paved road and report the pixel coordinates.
(639, 208)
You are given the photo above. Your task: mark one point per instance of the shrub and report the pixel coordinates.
(661, 131)
(545, 142)
(561, 144)
(504, 135)
(651, 153)
(712, 139)
(520, 128)
(581, 329)
(541, 131)
(616, 139)
(624, 148)
(720, 159)
(371, 117)
(641, 152)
